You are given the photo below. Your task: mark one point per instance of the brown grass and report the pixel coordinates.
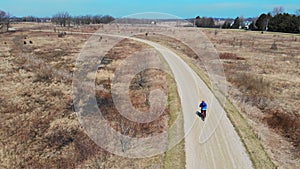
(38, 126)
(287, 124)
(251, 84)
(250, 139)
(140, 86)
(266, 79)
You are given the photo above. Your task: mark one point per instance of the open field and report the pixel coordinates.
(39, 127)
(263, 83)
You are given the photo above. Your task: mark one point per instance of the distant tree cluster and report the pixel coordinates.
(285, 23)
(262, 22)
(281, 22)
(227, 24)
(276, 21)
(65, 19)
(4, 21)
(238, 23)
(204, 22)
(62, 18)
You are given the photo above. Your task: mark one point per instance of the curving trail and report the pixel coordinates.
(218, 147)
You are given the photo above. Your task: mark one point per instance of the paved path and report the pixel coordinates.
(217, 147)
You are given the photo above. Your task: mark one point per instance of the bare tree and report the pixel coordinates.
(277, 10)
(124, 131)
(106, 19)
(297, 12)
(242, 22)
(7, 21)
(4, 20)
(62, 18)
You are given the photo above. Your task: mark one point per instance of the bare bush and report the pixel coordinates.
(43, 75)
(287, 123)
(232, 56)
(253, 84)
(274, 46)
(61, 35)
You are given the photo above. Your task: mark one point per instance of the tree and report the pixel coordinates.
(96, 19)
(226, 24)
(87, 19)
(106, 19)
(210, 22)
(4, 20)
(242, 22)
(29, 19)
(263, 21)
(62, 19)
(204, 22)
(252, 25)
(277, 10)
(197, 21)
(297, 12)
(236, 24)
(284, 23)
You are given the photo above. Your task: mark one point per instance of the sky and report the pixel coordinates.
(121, 8)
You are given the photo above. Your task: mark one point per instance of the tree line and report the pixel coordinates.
(275, 21)
(281, 22)
(204, 22)
(64, 19)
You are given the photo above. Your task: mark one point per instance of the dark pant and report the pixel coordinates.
(203, 112)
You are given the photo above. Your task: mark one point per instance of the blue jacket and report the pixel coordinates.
(203, 106)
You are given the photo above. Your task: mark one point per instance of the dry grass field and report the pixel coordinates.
(39, 128)
(263, 72)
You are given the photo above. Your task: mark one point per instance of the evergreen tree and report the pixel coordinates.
(204, 22)
(197, 21)
(263, 21)
(236, 23)
(284, 23)
(226, 24)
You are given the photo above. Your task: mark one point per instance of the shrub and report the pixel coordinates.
(232, 56)
(287, 123)
(252, 84)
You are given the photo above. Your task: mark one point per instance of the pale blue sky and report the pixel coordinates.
(119, 8)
